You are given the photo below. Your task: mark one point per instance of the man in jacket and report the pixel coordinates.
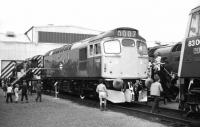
(24, 90)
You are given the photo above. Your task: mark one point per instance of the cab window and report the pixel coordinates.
(112, 47)
(142, 48)
(195, 25)
(128, 42)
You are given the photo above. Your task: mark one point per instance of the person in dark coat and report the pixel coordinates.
(4, 87)
(24, 90)
(39, 91)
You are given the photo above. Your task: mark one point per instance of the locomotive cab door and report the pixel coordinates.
(94, 60)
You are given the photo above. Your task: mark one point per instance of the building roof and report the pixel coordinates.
(65, 29)
(11, 37)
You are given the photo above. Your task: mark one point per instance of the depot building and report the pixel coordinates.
(37, 41)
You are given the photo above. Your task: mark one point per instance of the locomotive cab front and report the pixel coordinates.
(190, 54)
(124, 58)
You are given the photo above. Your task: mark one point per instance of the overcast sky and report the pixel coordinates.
(157, 20)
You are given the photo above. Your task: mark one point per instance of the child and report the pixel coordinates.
(102, 91)
(155, 90)
(4, 87)
(16, 90)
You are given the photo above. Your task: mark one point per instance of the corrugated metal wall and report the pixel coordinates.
(57, 37)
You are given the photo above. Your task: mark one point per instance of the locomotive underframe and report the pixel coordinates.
(82, 86)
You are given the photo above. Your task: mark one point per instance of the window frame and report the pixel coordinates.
(191, 23)
(138, 43)
(92, 44)
(81, 56)
(95, 53)
(133, 45)
(109, 41)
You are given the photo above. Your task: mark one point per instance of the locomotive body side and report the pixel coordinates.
(109, 57)
(75, 61)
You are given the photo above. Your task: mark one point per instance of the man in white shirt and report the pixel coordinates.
(102, 91)
(155, 91)
(9, 93)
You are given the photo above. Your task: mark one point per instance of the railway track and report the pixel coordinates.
(172, 118)
(168, 117)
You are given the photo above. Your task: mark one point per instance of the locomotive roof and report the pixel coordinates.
(153, 49)
(111, 33)
(63, 48)
(195, 9)
(33, 58)
(163, 49)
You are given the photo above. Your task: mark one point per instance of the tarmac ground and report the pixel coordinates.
(53, 112)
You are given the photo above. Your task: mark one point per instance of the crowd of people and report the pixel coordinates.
(157, 85)
(163, 83)
(22, 89)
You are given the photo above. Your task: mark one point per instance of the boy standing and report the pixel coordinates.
(102, 91)
(155, 91)
(16, 90)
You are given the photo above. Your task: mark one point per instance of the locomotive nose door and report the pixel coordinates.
(142, 62)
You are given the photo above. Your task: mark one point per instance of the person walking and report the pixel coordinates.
(136, 88)
(30, 87)
(103, 93)
(39, 91)
(24, 90)
(9, 93)
(4, 87)
(155, 91)
(16, 91)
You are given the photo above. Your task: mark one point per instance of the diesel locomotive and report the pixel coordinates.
(117, 54)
